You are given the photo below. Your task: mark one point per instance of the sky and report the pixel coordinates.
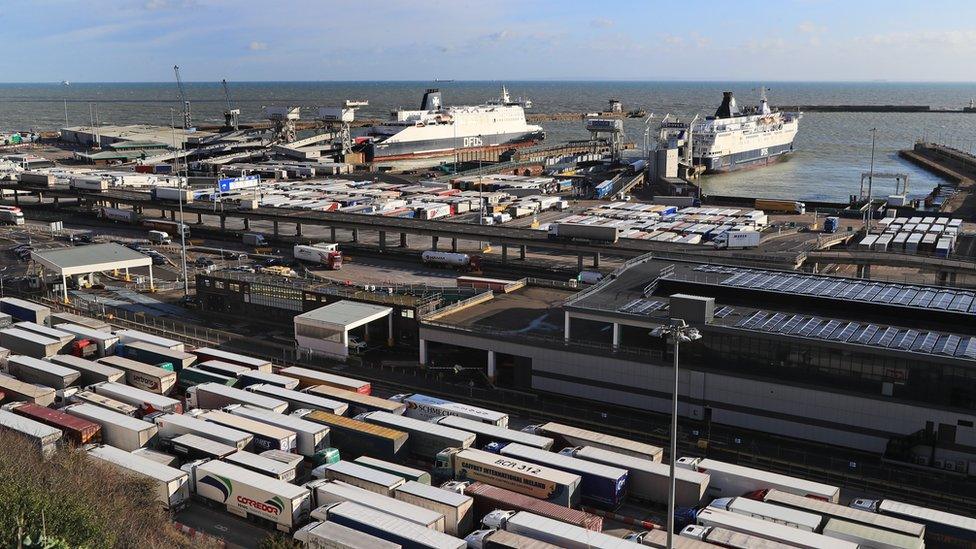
(307, 40)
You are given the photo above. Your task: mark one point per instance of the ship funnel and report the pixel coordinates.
(728, 108)
(432, 100)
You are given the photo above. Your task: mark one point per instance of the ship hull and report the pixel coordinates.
(431, 148)
(745, 160)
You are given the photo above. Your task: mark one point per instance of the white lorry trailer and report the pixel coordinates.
(457, 509)
(327, 492)
(213, 396)
(41, 372)
(329, 535)
(425, 439)
(310, 437)
(119, 430)
(146, 401)
(173, 425)
(770, 530)
(567, 435)
(427, 407)
(172, 484)
(553, 531)
(487, 433)
(728, 480)
(388, 527)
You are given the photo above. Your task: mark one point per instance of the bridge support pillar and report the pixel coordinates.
(816, 268)
(382, 240)
(40, 198)
(491, 365)
(864, 271)
(522, 252)
(17, 198)
(433, 243)
(355, 235)
(454, 245)
(403, 240)
(942, 277)
(504, 253)
(56, 202)
(423, 352)
(952, 279)
(332, 233)
(247, 224)
(298, 229)
(579, 262)
(223, 222)
(200, 219)
(274, 228)
(596, 260)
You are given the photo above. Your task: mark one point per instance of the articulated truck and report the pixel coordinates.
(513, 474)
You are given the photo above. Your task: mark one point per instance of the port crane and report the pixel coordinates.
(186, 102)
(231, 115)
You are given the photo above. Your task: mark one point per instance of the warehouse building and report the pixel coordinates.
(882, 367)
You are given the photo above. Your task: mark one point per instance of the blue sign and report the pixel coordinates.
(234, 183)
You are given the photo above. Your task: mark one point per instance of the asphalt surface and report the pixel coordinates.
(235, 531)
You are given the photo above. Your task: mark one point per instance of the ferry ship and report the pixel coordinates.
(437, 131)
(734, 139)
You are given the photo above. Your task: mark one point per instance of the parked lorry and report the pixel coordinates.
(426, 407)
(553, 531)
(172, 485)
(711, 536)
(941, 528)
(119, 430)
(171, 426)
(24, 342)
(308, 378)
(492, 538)
(648, 480)
(14, 389)
(327, 492)
(601, 485)
(246, 493)
(355, 438)
(188, 377)
(132, 336)
(143, 376)
(93, 398)
(329, 535)
(322, 254)
(866, 536)
(11, 217)
(90, 372)
(254, 377)
(736, 240)
(402, 471)
(204, 354)
(44, 437)
(801, 520)
(223, 368)
(358, 402)
(456, 508)
(119, 215)
(523, 477)
(454, 260)
(212, 396)
(298, 400)
(24, 310)
(150, 353)
(146, 402)
(364, 477)
(769, 530)
(581, 232)
(41, 372)
(157, 456)
(61, 336)
(310, 437)
(388, 527)
(254, 239)
(265, 436)
(59, 317)
(727, 479)
(780, 206)
(486, 434)
(568, 435)
(75, 429)
(106, 342)
(191, 447)
(847, 514)
(426, 439)
(263, 465)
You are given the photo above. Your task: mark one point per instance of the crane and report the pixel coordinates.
(231, 115)
(183, 98)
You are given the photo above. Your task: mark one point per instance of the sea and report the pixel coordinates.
(832, 149)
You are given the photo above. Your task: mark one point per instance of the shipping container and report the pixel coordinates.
(91, 397)
(190, 447)
(188, 377)
(24, 310)
(649, 480)
(204, 354)
(457, 509)
(172, 485)
(247, 493)
(132, 336)
(255, 377)
(146, 401)
(24, 342)
(426, 439)
(143, 376)
(486, 433)
(867, 537)
(327, 492)
(149, 353)
(355, 438)
(358, 402)
(211, 396)
(263, 465)
(308, 378)
(847, 514)
(553, 531)
(770, 530)
(119, 430)
(266, 437)
(310, 437)
(74, 429)
(298, 400)
(171, 426)
(566, 435)
(364, 477)
(427, 407)
(329, 535)
(90, 372)
(388, 527)
(105, 341)
(601, 485)
(531, 479)
(727, 479)
(14, 389)
(58, 317)
(41, 372)
(407, 473)
(44, 437)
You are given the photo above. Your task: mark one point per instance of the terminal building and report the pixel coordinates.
(876, 366)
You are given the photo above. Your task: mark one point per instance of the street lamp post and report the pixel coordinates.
(677, 332)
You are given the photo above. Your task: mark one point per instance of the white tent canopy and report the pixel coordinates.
(85, 260)
(326, 329)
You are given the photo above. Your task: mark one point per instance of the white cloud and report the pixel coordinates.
(602, 23)
(809, 27)
(257, 46)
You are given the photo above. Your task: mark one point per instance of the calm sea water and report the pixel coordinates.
(832, 148)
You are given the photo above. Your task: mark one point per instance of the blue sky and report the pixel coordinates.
(140, 40)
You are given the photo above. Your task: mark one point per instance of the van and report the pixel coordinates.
(160, 237)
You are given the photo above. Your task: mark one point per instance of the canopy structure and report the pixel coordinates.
(326, 329)
(86, 260)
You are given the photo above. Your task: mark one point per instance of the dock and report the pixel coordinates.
(954, 165)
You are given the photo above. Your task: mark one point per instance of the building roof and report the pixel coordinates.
(346, 314)
(90, 259)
